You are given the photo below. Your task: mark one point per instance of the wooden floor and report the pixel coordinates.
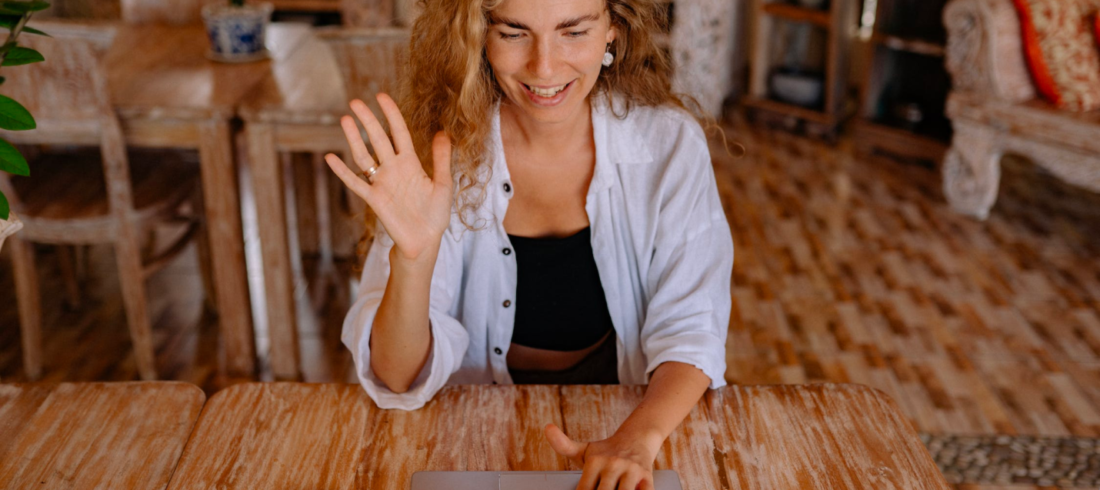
(847, 270)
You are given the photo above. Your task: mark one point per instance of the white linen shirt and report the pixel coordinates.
(661, 243)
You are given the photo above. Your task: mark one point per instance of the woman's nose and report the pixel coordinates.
(543, 60)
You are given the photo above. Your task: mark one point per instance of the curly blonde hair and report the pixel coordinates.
(449, 85)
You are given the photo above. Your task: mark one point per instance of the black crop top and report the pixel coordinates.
(560, 303)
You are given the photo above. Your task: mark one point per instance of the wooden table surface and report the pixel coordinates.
(94, 435)
(168, 94)
(332, 436)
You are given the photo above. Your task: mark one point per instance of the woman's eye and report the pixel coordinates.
(509, 37)
(577, 33)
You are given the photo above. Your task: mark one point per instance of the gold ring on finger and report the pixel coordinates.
(369, 174)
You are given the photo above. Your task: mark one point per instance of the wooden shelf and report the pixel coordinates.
(795, 13)
(910, 45)
(870, 136)
(792, 109)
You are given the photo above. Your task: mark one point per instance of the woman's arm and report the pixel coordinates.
(625, 460)
(402, 338)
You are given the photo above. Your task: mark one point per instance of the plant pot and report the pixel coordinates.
(9, 227)
(237, 34)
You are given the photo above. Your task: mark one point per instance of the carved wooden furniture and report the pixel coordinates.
(994, 110)
(774, 20)
(298, 109)
(9, 227)
(332, 436)
(905, 86)
(94, 435)
(79, 198)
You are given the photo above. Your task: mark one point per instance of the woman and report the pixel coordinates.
(571, 231)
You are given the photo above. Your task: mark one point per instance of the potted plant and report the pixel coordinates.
(236, 30)
(13, 116)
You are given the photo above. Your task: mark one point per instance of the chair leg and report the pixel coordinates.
(30, 305)
(202, 242)
(132, 279)
(67, 263)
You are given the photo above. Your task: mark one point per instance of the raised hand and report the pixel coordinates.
(415, 209)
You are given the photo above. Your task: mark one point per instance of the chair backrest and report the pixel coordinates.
(68, 96)
(367, 13)
(176, 12)
(68, 92)
(370, 60)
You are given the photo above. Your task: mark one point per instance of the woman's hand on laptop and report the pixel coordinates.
(624, 461)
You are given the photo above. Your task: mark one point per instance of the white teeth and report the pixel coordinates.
(550, 92)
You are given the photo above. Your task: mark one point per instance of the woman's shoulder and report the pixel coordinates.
(659, 123)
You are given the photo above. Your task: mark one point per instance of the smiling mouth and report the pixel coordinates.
(547, 92)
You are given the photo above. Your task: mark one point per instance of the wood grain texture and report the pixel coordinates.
(94, 435)
(818, 436)
(277, 435)
(247, 434)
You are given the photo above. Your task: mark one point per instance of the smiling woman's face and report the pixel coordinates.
(547, 54)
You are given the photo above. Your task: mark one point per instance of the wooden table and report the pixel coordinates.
(295, 109)
(332, 436)
(169, 95)
(94, 435)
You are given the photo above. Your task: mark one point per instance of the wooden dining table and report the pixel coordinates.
(294, 435)
(169, 95)
(94, 435)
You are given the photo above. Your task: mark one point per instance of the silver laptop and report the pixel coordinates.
(519, 480)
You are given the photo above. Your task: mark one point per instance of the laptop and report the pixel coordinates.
(519, 480)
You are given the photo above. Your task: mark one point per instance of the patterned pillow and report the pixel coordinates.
(1061, 51)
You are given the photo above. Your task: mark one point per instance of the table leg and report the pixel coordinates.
(223, 219)
(267, 177)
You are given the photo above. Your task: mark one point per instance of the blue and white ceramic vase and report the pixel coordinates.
(236, 33)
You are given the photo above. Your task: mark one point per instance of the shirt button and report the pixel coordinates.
(507, 187)
(497, 351)
(507, 251)
(507, 303)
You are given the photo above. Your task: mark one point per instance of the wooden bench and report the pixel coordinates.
(995, 111)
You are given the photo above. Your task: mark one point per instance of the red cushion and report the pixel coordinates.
(1096, 28)
(1061, 51)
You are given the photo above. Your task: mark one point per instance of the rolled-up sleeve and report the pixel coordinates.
(449, 337)
(688, 280)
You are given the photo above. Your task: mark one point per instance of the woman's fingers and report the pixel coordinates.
(402, 140)
(359, 151)
(378, 138)
(610, 477)
(647, 482)
(563, 445)
(350, 179)
(632, 478)
(441, 162)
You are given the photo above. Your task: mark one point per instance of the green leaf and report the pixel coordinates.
(22, 56)
(11, 161)
(4, 210)
(32, 30)
(24, 7)
(13, 116)
(10, 21)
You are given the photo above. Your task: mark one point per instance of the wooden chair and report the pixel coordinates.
(370, 61)
(89, 197)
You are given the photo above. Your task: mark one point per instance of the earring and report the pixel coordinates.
(608, 58)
